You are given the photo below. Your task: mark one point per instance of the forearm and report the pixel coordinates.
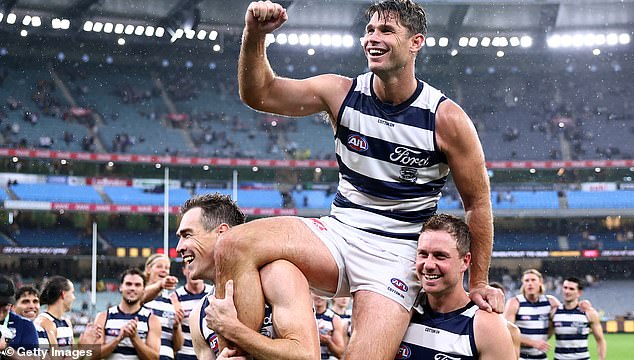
(144, 351)
(264, 348)
(177, 338)
(602, 349)
(254, 70)
(152, 291)
(106, 349)
(480, 220)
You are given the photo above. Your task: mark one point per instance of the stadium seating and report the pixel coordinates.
(51, 237)
(601, 199)
(57, 193)
(123, 195)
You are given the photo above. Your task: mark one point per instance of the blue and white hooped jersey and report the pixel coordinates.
(571, 334)
(42, 337)
(115, 320)
(188, 301)
(162, 307)
(325, 326)
(65, 335)
(390, 169)
(211, 338)
(533, 320)
(432, 335)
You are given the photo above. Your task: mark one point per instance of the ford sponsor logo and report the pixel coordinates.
(404, 352)
(358, 143)
(399, 284)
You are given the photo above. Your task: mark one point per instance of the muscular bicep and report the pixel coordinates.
(510, 310)
(458, 140)
(291, 303)
(293, 97)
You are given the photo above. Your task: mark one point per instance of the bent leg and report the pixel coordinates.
(244, 249)
(379, 325)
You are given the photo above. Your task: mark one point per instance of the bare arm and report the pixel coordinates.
(262, 90)
(597, 331)
(458, 140)
(490, 347)
(106, 348)
(51, 330)
(293, 317)
(153, 290)
(201, 347)
(150, 348)
(177, 333)
(334, 341)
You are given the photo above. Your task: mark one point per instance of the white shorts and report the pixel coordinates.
(367, 261)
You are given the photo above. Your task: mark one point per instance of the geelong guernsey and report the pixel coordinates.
(432, 335)
(65, 336)
(162, 307)
(571, 334)
(325, 326)
(532, 318)
(188, 301)
(211, 338)
(390, 169)
(115, 320)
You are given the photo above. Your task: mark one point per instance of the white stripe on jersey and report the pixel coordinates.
(414, 204)
(438, 339)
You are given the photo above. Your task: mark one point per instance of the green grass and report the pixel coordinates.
(620, 347)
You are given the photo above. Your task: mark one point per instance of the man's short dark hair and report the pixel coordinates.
(53, 288)
(216, 209)
(577, 281)
(132, 271)
(453, 225)
(26, 290)
(7, 291)
(410, 15)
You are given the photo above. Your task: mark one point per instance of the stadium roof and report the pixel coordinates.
(445, 17)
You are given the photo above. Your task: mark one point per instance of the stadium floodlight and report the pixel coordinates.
(304, 39)
(149, 31)
(139, 30)
(1, 16)
(485, 42)
(599, 39)
(97, 27)
(596, 52)
(202, 34)
(160, 31)
(430, 41)
(577, 40)
(566, 41)
(88, 25)
(454, 52)
(107, 27)
(36, 21)
(293, 39)
(11, 18)
(310, 52)
(281, 39)
(213, 35)
(588, 40)
(189, 33)
(158, 165)
(206, 167)
(55, 23)
(129, 29)
(216, 48)
(121, 41)
(269, 39)
(612, 39)
(500, 53)
(348, 41)
(526, 41)
(326, 40)
(514, 41)
(337, 40)
(463, 42)
(443, 42)
(26, 20)
(65, 24)
(118, 29)
(24, 33)
(624, 38)
(177, 35)
(473, 41)
(315, 40)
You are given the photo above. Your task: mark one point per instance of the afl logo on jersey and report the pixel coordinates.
(404, 352)
(358, 143)
(399, 284)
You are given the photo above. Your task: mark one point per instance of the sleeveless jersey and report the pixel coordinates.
(212, 339)
(432, 335)
(390, 169)
(571, 334)
(346, 317)
(325, 326)
(42, 337)
(162, 307)
(115, 320)
(532, 319)
(188, 301)
(65, 336)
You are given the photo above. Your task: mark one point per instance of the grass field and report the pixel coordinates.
(620, 347)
